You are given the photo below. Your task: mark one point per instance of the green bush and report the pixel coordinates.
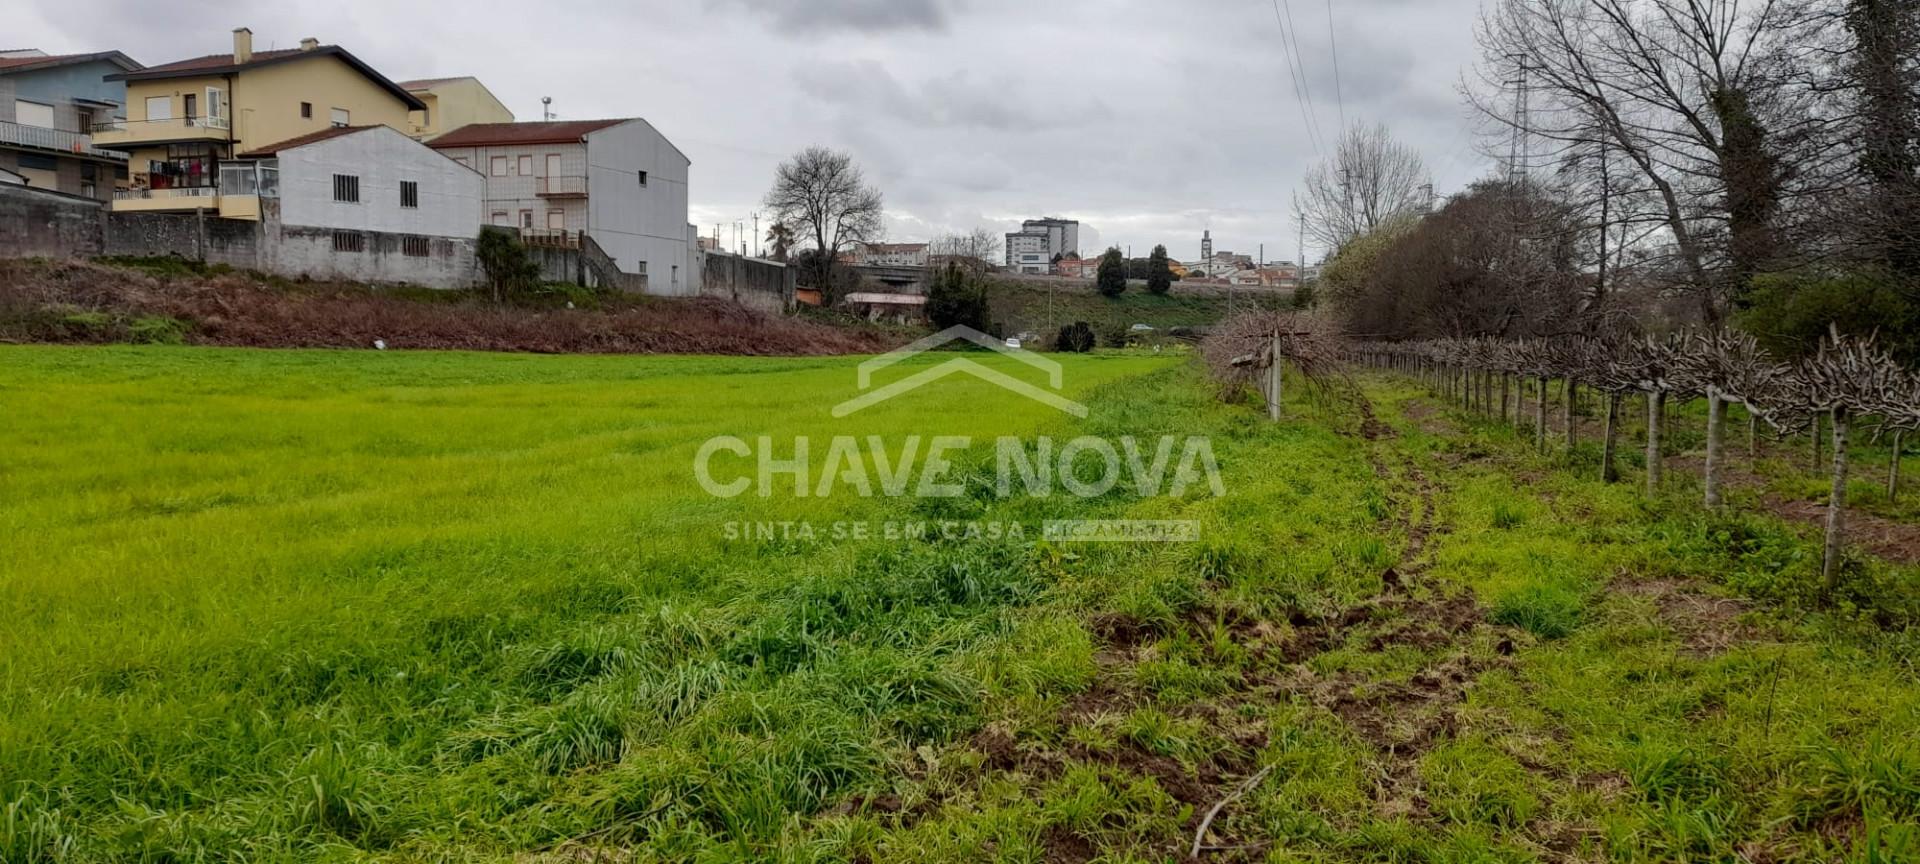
(1790, 314)
(957, 299)
(158, 330)
(1076, 338)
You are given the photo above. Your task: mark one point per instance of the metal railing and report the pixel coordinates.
(561, 185)
(144, 127)
(550, 237)
(177, 192)
(53, 139)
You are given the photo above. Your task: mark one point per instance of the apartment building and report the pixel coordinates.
(618, 181)
(1033, 248)
(450, 104)
(891, 254)
(48, 107)
(184, 118)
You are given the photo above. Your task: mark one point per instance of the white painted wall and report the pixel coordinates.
(636, 223)
(450, 195)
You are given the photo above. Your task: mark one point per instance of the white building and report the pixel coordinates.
(358, 203)
(619, 184)
(1040, 240)
(890, 254)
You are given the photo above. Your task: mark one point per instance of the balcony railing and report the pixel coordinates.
(550, 237)
(53, 139)
(561, 186)
(177, 192)
(140, 126)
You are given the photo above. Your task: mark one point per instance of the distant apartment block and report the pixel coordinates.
(1033, 248)
(450, 104)
(183, 119)
(891, 254)
(619, 182)
(48, 107)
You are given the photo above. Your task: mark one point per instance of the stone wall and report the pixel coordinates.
(36, 223)
(757, 284)
(294, 251)
(193, 236)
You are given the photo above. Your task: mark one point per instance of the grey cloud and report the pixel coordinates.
(860, 16)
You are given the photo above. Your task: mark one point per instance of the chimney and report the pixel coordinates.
(309, 43)
(242, 45)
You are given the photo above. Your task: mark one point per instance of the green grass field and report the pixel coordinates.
(358, 606)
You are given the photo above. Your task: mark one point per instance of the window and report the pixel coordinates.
(643, 178)
(33, 114)
(190, 106)
(349, 241)
(306, 110)
(497, 166)
(526, 166)
(557, 220)
(526, 218)
(216, 107)
(341, 117)
(553, 164)
(82, 117)
(86, 190)
(416, 247)
(409, 194)
(346, 188)
(500, 218)
(159, 107)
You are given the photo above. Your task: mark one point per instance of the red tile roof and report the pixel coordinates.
(309, 138)
(220, 61)
(498, 134)
(220, 64)
(115, 57)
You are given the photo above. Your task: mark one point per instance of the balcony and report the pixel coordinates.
(183, 198)
(561, 187)
(54, 140)
(125, 134)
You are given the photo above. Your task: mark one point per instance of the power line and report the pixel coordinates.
(1300, 96)
(1306, 81)
(1339, 96)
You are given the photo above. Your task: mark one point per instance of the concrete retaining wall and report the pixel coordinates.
(294, 251)
(36, 223)
(757, 284)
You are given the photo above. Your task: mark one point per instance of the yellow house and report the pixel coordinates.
(185, 118)
(452, 103)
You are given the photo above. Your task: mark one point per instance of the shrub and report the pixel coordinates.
(1790, 314)
(1076, 338)
(1111, 278)
(510, 270)
(956, 298)
(1159, 273)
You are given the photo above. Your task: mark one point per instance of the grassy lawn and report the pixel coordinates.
(352, 606)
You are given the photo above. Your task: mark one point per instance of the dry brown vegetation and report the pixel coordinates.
(65, 301)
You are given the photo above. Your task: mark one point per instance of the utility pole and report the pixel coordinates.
(1518, 158)
(756, 235)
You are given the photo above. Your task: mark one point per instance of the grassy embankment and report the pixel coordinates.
(419, 607)
(1029, 306)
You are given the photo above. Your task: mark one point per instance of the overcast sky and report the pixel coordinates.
(1150, 120)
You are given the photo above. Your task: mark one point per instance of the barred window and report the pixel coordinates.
(346, 187)
(409, 193)
(349, 241)
(416, 247)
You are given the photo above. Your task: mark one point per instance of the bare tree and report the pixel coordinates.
(820, 192)
(1699, 98)
(1370, 180)
(974, 251)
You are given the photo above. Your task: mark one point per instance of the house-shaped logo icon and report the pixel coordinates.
(871, 395)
